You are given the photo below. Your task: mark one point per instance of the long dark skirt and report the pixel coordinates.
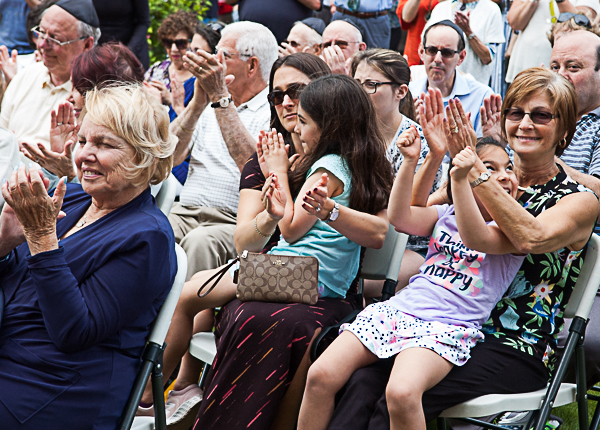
(259, 348)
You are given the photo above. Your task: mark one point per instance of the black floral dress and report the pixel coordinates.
(530, 316)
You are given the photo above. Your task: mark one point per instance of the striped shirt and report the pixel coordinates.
(583, 153)
(214, 177)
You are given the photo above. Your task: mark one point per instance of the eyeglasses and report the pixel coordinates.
(579, 19)
(370, 87)
(229, 55)
(537, 117)
(341, 43)
(215, 26)
(292, 43)
(39, 34)
(293, 92)
(446, 52)
(181, 44)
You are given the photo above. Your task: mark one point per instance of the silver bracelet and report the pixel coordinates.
(258, 231)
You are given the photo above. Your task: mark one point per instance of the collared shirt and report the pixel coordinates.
(470, 93)
(28, 101)
(365, 5)
(583, 153)
(214, 177)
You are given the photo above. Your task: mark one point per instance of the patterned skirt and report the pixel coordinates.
(385, 331)
(259, 347)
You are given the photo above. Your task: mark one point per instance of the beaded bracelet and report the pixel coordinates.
(258, 231)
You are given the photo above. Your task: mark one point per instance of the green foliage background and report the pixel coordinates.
(159, 10)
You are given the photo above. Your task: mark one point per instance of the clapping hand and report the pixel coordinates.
(8, 63)
(431, 113)
(490, 117)
(165, 95)
(275, 152)
(334, 57)
(458, 128)
(409, 144)
(317, 198)
(273, 197)
(462, 163)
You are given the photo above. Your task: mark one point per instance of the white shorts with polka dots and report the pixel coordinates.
(385, 331)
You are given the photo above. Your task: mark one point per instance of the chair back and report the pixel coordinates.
(166, 195)
(163, 320)
(584, 293)
(385, 263)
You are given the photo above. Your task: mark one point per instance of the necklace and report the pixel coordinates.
(84, 221)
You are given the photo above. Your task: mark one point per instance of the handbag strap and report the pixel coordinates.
(217, 275)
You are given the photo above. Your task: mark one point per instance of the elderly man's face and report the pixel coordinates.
(439, 68)
(62, 26)
(574, 56)
(345, 36)
(237, 65)
(298, 38)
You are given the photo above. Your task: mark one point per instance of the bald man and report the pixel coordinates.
(341, 40)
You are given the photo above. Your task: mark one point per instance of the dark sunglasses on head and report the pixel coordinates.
(446, 52)
(182, 44)
(215, 26)
(537, 117)
(293, 91)
(579, 19)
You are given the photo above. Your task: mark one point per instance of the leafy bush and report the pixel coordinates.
(159, 10)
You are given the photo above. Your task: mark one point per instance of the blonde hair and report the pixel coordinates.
(563, 100)
(135, 116)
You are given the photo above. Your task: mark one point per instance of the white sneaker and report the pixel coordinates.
(182, 407)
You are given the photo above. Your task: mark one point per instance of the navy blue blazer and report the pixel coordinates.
(76, 318)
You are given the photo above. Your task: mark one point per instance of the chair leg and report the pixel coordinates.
(158, 393)
(582, 406)
(596, 418)
(204, 375)
(441, 424)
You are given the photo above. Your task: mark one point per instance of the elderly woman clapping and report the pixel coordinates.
(81, 292)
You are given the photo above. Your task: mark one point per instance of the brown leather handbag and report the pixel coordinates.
(273, 278)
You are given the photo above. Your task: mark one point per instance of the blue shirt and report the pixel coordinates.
(13, 31)
(470, 93)
(365, 5)
(338, 256)
(76, 318)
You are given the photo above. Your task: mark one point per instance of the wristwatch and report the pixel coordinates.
(221, 103)
(334, 214)
(482, 178)
(473, 35)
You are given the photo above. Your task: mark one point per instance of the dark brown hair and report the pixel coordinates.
(395, 67)
(179, 21)
(346, 117)
(312, 66)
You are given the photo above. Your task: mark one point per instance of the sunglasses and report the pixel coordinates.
(579, 19)
(341, 43)
(292, 43)
(181, 44)
(537, 117)
(446, 52)
(293, 92)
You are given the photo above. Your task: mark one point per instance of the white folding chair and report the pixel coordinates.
(166, 195)
(152, 359)
(555, 394)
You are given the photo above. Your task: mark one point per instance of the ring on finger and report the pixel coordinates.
(199, 69)
(318, 208)
(455, 129)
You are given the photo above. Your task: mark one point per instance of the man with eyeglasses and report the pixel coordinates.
(482, 24)
(341, 40)
(442, 50)
(67, 29)
(305, 36)
(219, 129)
